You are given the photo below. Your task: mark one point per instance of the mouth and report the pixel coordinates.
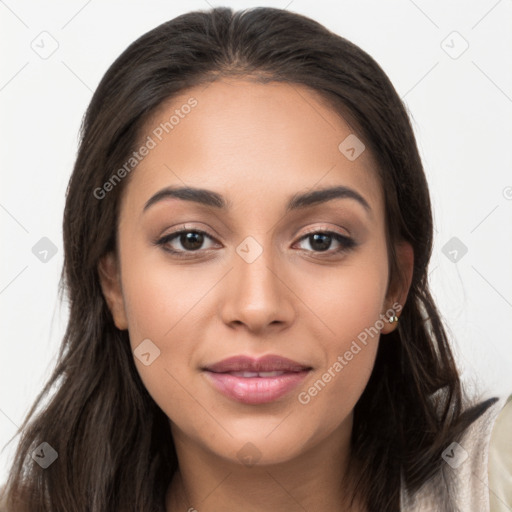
(256, 381)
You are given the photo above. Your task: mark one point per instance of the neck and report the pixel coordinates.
(316, 480)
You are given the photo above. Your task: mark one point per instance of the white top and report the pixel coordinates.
(478, 470)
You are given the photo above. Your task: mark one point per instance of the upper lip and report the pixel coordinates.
(268, 363)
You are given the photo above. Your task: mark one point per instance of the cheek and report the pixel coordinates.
(162, 310)
(160, 295)
(329, 396)
(162, 304)
(350, 305)
(349, 298)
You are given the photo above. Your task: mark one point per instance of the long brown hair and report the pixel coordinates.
(115, 450)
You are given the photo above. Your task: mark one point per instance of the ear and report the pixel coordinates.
(397, 294)
(110, 280)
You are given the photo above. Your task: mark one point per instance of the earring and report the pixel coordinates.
(393, 319)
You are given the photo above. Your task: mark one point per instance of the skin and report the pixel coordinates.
(257, 145)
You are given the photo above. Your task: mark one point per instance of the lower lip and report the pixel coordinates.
(256, 390)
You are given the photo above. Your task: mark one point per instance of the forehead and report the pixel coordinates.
(250, 140)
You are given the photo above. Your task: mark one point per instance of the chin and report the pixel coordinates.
(261, 443)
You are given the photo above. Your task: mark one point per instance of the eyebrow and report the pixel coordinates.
(296, 202)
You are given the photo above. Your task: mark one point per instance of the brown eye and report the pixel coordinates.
(181, 242)
(191, 240)
(321, 241)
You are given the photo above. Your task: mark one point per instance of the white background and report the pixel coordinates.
(462, 114)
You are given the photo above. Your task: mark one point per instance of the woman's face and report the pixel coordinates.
(257, 282)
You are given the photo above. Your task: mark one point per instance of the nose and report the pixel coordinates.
(256, 295)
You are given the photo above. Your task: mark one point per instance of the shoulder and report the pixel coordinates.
(462, 484)
(500, 460)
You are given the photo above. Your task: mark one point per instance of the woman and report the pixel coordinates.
(247, 234)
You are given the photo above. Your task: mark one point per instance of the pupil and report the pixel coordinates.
(192, 240)
(326, 241)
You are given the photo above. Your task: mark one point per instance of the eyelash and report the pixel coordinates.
(347, 243)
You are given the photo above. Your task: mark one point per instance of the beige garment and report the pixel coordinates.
(500, 461)
(463, 483)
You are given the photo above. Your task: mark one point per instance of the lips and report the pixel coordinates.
(256, 381)
(269, 363)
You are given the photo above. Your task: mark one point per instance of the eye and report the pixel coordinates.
(191, 240)
(321, 241)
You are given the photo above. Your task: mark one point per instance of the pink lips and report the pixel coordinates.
(256, 381)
